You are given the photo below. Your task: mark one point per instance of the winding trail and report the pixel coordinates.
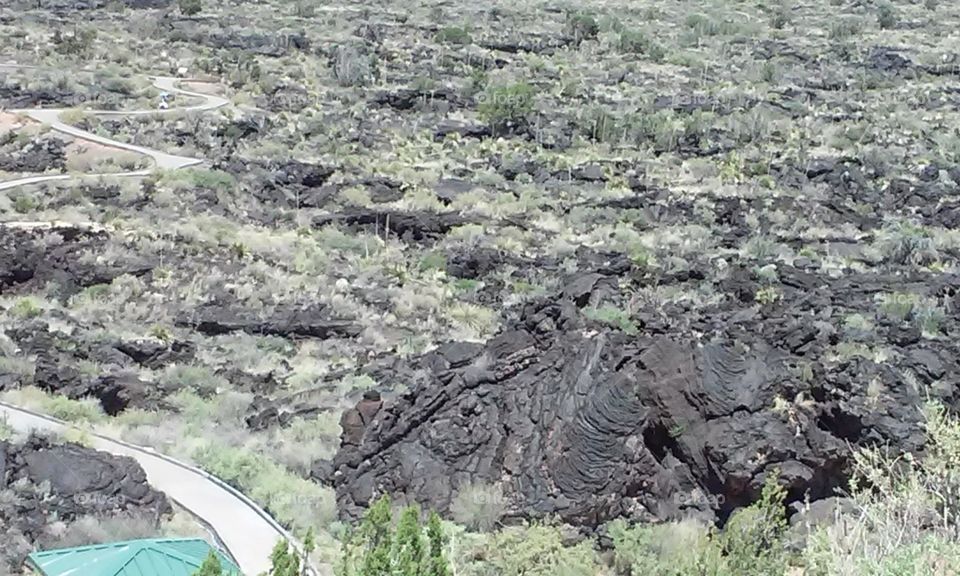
(247, 532)
(242, 527)
(161, 160)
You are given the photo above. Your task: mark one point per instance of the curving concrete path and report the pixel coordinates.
(246, 531)
(161, 160)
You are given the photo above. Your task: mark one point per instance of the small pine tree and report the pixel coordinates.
(380, 548)
(408, 544)
(436, 564)
(375, 531)
(282, 561)
(211, 566)
(309, 545)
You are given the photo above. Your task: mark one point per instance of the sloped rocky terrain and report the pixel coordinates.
(604, 261)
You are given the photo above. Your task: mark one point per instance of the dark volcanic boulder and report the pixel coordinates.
(410, 226)
(61, 255)
(57, 355)
(13, 96)
(410, 98)
(316, 321)
(575, 419)
(291, 183)
(62, 483)
(155, 354)
(588, 427)
(38, 155)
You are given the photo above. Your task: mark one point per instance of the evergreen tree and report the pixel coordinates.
(408, 544)
(375, 531)
(211, 566)
(377, 548)
(282, 561)
(436, 564)
(309, 545)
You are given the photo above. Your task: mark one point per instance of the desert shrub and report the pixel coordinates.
(194, 378)
(675, 549)
(294, 501)
(189, 7)
(751, 544)
(473, 320)
(83, 410)
(26, 308)
(701, 25)
(351, 67)
(6, 430)
(886, 15)
(73, 116)
(905, 520)
(843, 28)
(612, 315)
(454, 35)
(77, 42)
(211, 179)
(303, 442)
(898, 306)
(582, 26)
(535, 550)
(753, 538)
(906, 243)
(599, 124)
(637, 42)
(198, 178)
(478, 506)
(304, 8)
(507, 105)
(928, 315)
(433, 261)
(24, 204)
(88, 530)
(767, 295)
(780, 17)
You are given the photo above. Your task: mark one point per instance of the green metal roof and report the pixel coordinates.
(154, 557)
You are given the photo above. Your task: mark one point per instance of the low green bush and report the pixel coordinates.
(454, 35)
(190, 7)
(507, 105)
(294, 501)
(637, 42)
(673, 549)
(751, 544)
(535, 550)
(26, 308)
(478, 506)
(582, 26)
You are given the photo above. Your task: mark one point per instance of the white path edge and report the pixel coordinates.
(161, 160)
(247, 531)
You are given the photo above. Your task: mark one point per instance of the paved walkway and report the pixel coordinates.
(247, 532)
(161, 160)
